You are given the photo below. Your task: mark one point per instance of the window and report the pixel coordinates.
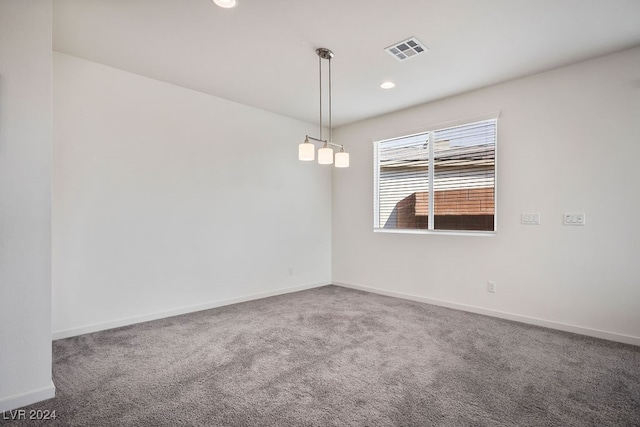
(438, 180)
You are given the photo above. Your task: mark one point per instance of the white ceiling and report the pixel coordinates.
(262, 53)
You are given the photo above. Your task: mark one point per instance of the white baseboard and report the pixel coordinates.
(611, 336)
(72, 332)
(18, 401)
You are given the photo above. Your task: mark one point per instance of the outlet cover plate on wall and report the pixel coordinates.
(491, 287)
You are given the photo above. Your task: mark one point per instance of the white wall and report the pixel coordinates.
(568, 140)
(166, 200)
(25, 202)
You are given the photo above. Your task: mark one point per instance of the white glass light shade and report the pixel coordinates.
(306, 151)
(325, 156)
(342, 159)
(227, 4)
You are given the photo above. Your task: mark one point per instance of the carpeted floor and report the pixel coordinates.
(337, 357)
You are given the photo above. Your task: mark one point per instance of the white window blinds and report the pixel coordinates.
(437, 180)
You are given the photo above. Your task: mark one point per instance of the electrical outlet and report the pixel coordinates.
(491, 287)
(290, 271)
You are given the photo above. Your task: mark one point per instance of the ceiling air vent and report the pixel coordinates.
(406, 49)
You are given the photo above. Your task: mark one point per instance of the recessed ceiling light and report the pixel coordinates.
(227, 4)
(387, 85)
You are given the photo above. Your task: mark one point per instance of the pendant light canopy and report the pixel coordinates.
(306, 150)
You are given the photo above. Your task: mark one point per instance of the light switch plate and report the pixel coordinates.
(531, 218)
(574, 218)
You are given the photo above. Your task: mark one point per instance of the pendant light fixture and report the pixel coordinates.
(307, 150)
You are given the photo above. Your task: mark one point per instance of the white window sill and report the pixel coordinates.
(435, 232)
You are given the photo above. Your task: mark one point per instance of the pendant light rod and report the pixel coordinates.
(330, 127)
(320, 89)
(324, 53)
(325, 142)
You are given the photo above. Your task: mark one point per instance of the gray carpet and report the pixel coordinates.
(338, 357)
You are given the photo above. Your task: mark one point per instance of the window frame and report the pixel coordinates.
(430, 130)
